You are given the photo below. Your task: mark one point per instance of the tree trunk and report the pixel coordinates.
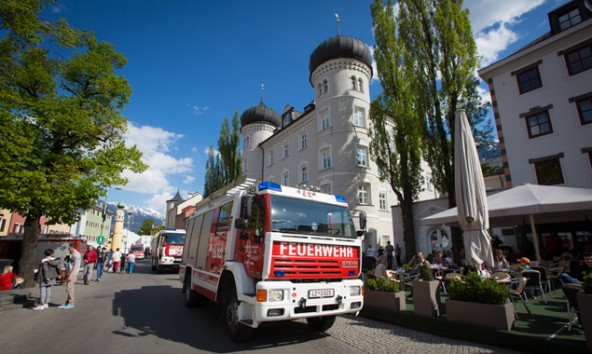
(408, 228)
(29, 253)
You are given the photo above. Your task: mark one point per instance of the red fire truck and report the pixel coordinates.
(269, 253)
(138, 251)
(167, 248)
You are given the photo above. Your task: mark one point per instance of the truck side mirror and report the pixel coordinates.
(246, 206)
(363, 220)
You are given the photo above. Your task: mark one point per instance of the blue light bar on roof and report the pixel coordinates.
(340, 199)
(270, 185)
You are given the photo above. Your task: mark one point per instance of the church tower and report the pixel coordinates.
(257, 124)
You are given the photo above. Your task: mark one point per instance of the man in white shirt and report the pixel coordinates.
(72, 269)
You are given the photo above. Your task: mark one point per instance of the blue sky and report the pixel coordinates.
(192, 63)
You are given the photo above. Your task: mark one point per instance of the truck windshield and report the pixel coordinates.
(290, 215)
(175, 239)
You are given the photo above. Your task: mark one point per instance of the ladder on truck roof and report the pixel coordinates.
(228, 190)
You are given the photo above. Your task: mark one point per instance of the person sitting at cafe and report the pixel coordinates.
(524, 264)
(499, 261)
(380, 270)
(416, 261)
(439, 259)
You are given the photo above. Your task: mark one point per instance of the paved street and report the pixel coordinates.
(144, 313)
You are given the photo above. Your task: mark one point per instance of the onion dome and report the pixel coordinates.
(340, 47)
(260, 114)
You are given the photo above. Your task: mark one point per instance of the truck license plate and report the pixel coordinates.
(315, 294)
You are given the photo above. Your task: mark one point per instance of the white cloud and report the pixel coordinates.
(158, 201)
(199, 110)
(188, 179)
(155, 143)
(492, 24)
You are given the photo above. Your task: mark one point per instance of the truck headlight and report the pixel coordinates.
(355, 290)
(275, 295)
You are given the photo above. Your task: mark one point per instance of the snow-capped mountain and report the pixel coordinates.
(138, 216)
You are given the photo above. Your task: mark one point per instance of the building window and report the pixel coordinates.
(247, 142)
(325, 121)
(354, 83)
(360, 85)
(359, 120)
(286, 150)
(286, 179)
(428, 181)
(538, 124)
(2, 224)
(382, 201)
(245, 164)
(286, 119)
(363, 194)
(325, 86)
(585, 110)
(362, 156)
(569, 19)
(326, 158)
(320, 89)
(549, 171)
(579, 59)
(303, 174)
(326, 188)
(303, 141)
(271, 158)
(529, 79)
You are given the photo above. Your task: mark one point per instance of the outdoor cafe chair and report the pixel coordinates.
(534, 282)
(555, 276)
(519, 293)
(501, 276)
(570, 291)
(545, 280)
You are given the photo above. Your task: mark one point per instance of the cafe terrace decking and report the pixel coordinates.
(544, 330)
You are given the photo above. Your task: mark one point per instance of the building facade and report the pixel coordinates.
(542, 102)
(327, 144)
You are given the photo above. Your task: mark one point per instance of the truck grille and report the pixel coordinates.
(308, 268)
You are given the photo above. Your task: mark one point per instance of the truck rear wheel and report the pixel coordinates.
(237, 331)
(320, 324)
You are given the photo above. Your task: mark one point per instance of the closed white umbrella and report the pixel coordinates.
(471, 197)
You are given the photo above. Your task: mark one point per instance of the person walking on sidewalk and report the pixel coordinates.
(72, 269)
(90, 258)
(49, 270)
(131, 261)
(101, 261)
(116, 260)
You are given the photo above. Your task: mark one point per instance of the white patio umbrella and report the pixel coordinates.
(471, 197)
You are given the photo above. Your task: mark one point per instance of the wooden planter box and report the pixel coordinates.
(385, 300)
(494, 316)
(426, 298)
(585, 306)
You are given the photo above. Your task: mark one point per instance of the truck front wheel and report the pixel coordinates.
(237, 331)
(190, 296)
(320, 324)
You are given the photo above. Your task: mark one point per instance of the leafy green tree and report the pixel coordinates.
(148, 227)
(225, 166)
(61, 125)
(228, 146)
(214, 178)
(438, 36)
(396, 129)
